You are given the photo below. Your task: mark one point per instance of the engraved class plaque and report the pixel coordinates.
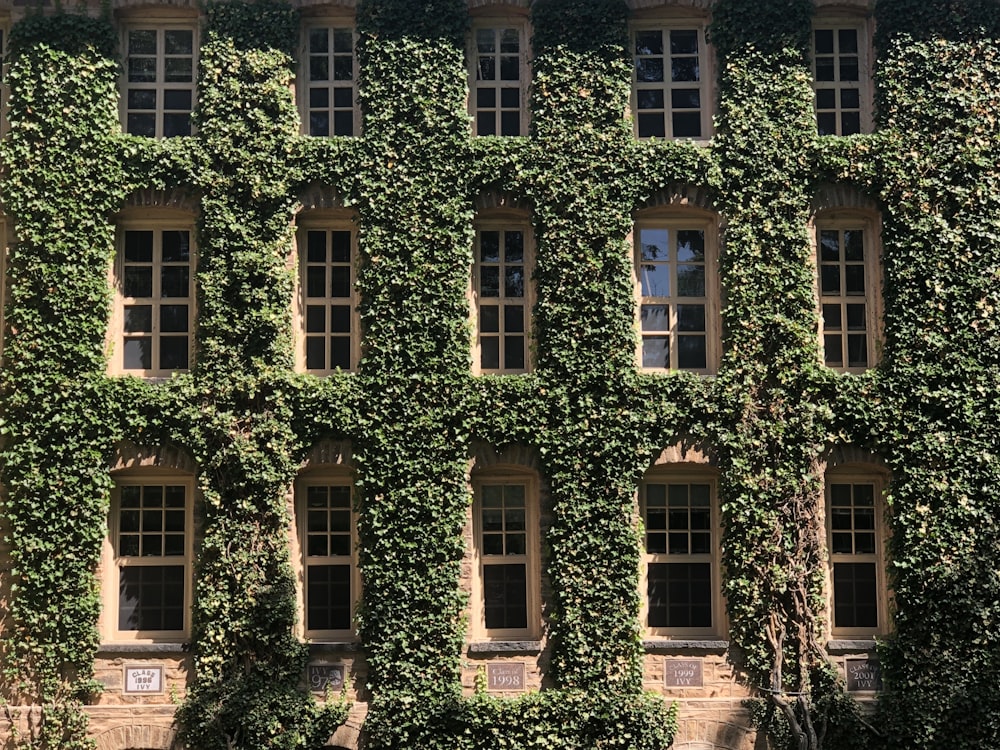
(142, 678)
(505, 676)
(683, 673)
(325, 676)
(863, 675)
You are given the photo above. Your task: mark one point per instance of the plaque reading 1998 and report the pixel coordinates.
(505, 676)
(682, 673)
(863, 675)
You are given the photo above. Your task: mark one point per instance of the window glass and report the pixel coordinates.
(855, 545)
(330, 106)
(670, 94)
(680, 556)
(159, 80)
(327, 267)
(499, 79)
(501, 290)
(840, 79)
(326, 525)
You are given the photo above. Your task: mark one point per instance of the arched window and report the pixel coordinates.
(677, 290)
(329, 328)
(154, 278)
(327, 533)
(841, 63)
(505, 527)
(681, 579)
(856, 540)
(148, 583)
(502, 292)
(499, 74)
(328, 75)
(671, 76)
(850, 298)
(159, 74)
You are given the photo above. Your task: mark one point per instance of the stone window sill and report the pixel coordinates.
(670, 645)
(505, 647)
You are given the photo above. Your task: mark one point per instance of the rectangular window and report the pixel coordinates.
(498, 86)
(680, 550)
(329, 299)
(848, 289)
(676, 296)
(330, 75)
(671, 98)
(500, 280)
(855, 556)
(840, 75)
(326, 523)
(151, 537)
(159, 85)
(506, 541)
(156, 279)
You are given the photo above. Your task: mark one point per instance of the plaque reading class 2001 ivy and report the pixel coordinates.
(863, 675)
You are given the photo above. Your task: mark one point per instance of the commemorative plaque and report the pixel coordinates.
(683, 673)
(505, 677)
(142, 678)
(863, 675)
(326, 676)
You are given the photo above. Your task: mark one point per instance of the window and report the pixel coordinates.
(326, 534)
(327, 252)
(840, 76)
(855, 540)
(330, 77)
(501, 290)
(151, 537)
(677, 294)
(159, 82)
(681, 550)
(849, 292)
(499, 80)
(505, 509)
(671, 98)
(156, 283)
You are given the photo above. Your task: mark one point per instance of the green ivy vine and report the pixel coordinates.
(412, 411)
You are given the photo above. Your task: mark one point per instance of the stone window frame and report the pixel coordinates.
(667, 20)
(507, 475)
(503, 221)
(497, 19)
(841, 220)
(4, 68)
(157, 220)
(113, 563)
(684, 474)
(331, 21)
(859, 474)
(325, 476)
(161, 22)
(326, 220)
(682, 218)
(836, 20)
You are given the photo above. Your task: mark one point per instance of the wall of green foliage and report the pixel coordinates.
(413, 410)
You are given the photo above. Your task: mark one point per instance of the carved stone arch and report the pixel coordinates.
(319, 196)
(833, 196)
(851, 456)
(700, 5)
(137, 737)
(129, 456)
(850, 6)
(329, 453)
(302, 4)
(484, 457)
(687, 451)
(176, 199)
(496, 200)
(476, 4)
(179, 5)
(699, 733)
(680, 195)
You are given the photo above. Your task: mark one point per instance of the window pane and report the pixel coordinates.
(505, 596)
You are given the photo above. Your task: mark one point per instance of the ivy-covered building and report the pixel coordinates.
(476, 374)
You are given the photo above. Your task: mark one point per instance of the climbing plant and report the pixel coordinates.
(413, 411)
